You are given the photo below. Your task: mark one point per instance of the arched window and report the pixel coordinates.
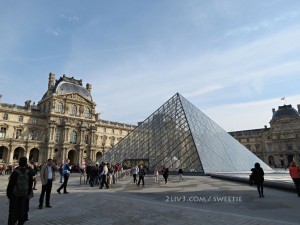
(74, 110)
(16, 154)
(73, 138)
(59, 107)
(1, 152)
(87, 113)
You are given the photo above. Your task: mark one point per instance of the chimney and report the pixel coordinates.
(27, 104)
(298, 108)
(51, 81)
(88, 87)
(273, 110)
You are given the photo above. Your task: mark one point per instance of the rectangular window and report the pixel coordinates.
(33, 120)
(57, 136)
(290, 147)
(33, 136)
(112, 131)
(86, 139)
(104, 130)
(120, 132)
(20, 118)
(5, 116)
(2, 132)
(18, 133)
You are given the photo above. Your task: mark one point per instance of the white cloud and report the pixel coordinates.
(55, 31)
(245, 30)
(69, 18)
(249, 115)
(204, 90)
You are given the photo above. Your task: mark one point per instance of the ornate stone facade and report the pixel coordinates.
(62, 125)
(279, 144)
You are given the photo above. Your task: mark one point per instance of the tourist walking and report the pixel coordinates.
(18, 189)
(165, 173)
(135, 171)
(35, 172)
(104, 176)
(258, 178)
(156, 174)
(47, 175)
(61, 173)
(31, 173)
(142, 174)
(295, 175)
(66, 172)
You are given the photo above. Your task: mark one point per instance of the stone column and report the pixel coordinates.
(27, 152)
(11, 154)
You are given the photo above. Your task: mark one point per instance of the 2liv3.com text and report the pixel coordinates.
(203, 199)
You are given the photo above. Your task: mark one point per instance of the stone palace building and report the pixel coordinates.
(62, 125)
(278, 145)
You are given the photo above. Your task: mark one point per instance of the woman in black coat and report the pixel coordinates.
(165, 173)
(258, 178)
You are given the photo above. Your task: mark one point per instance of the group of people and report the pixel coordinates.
(22, 182)
(140, 172)
(104, 174)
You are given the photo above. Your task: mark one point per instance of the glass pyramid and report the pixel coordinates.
(179, 135)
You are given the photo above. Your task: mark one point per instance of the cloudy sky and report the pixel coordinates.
(232, 59)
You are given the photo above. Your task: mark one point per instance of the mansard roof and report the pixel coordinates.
(285, 110)
(69, 85)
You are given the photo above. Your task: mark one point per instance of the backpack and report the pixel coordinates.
(21, 186)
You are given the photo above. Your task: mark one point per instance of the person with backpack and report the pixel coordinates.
(47, 177)
(18, 189)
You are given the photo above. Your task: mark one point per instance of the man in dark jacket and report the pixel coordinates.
(14, 192)
(142, 173)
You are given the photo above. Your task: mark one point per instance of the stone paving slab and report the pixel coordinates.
(196, 200)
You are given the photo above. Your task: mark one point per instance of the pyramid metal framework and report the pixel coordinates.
(179, 135)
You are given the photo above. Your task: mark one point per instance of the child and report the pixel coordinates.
(156, 174)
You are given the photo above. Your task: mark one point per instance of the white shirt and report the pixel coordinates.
(50, 176)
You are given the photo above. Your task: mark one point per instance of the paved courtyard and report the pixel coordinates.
(196, 200)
